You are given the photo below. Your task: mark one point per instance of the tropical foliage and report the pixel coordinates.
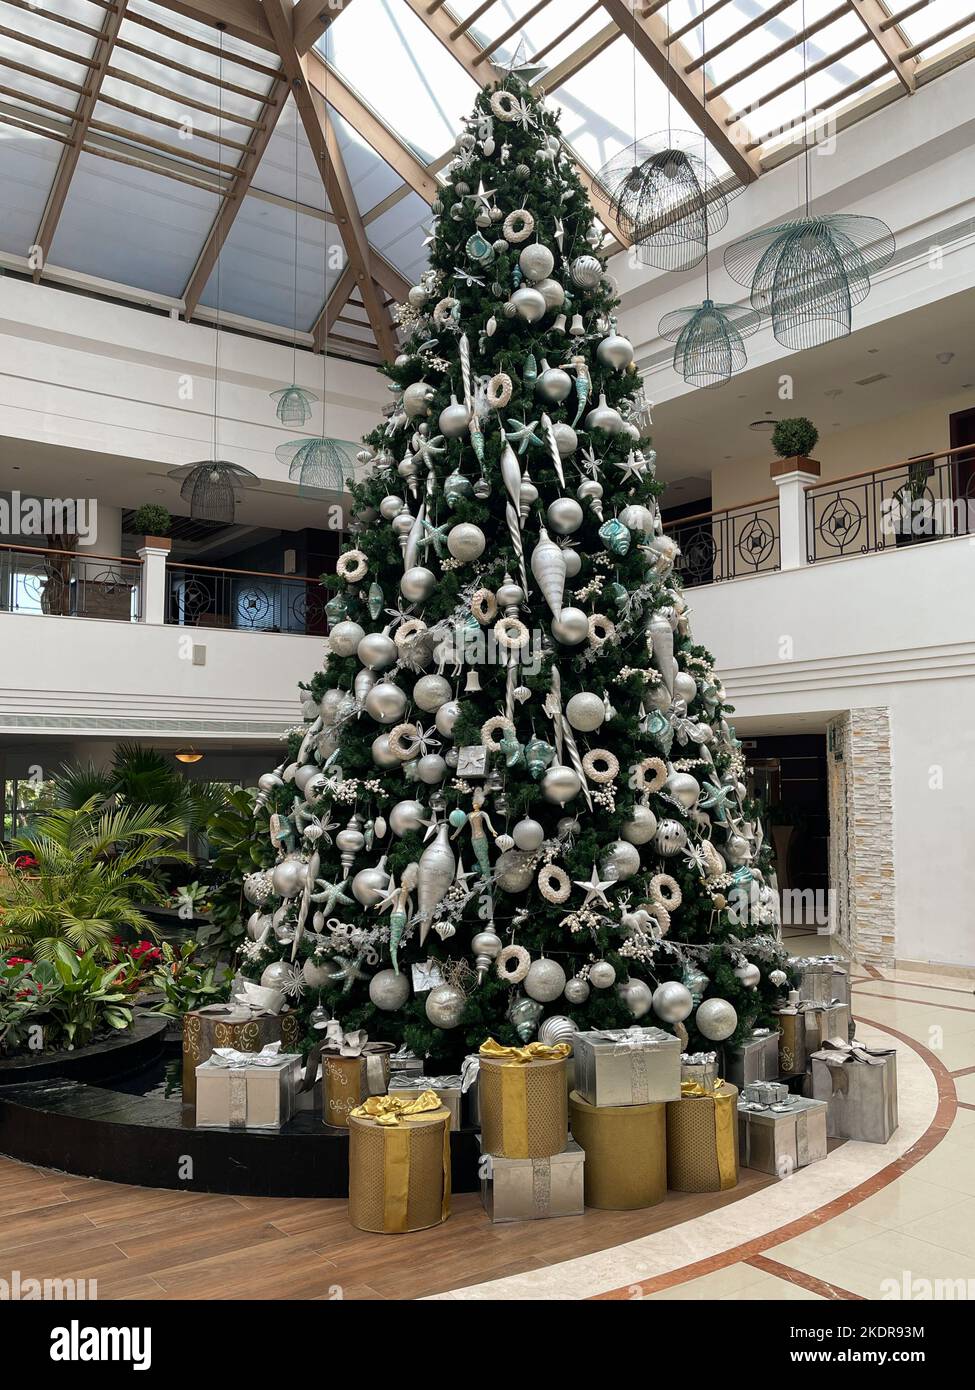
(184, 982)
(141, 777)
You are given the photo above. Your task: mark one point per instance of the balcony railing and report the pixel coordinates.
(727, 544)
(244, 600)
(921, 499)
(69, 584)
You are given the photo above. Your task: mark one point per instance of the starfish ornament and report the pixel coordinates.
(331, 895)
(522, 434)
(718, 799)
(595, 888)
(435, 536)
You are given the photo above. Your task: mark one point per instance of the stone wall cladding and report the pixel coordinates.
(862, 833)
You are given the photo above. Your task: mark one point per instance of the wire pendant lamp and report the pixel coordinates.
(661, 190)
(317, 463)
(708, 338)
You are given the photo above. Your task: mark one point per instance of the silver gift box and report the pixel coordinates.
(532, 1189)
(781, 1138)
(405, 1063)
(247, 1097)
(861, 1090)
(757, 1059)
(448, 1088)
(627, 1066)
(822, 978)
(766, 1092)
(831, 1020)
(700, 1067)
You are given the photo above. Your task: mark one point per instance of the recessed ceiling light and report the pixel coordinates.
(869, 380)
(944, 357)
(873, 350)
(831, 395)
(761, 425)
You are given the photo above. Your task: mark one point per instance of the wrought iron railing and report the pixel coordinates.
(244, 600)
(922, 499)
(69, 584)
(727, 544)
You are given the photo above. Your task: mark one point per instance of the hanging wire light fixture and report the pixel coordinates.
(809, 274)
(294, 403)
(213, 486)
(708, 337)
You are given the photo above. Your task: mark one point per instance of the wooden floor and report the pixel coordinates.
(149, 1243)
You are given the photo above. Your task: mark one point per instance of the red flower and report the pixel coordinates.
(18, 960)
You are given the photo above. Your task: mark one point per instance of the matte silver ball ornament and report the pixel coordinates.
(431, 769)
(571, 627)
(672, 1001)
(417, 584)
(369, 885)
(641, 827)
(636, 517)
(585, 711)
(602, 975)
(389, 991)
(749, 974)
(566, 439)
(573, 562)
(528, 303)
(716, 1019)
(288, 877)
(466, 542)
(406, 816)
(620, 861)
(553, 385)
(430, 692)
(615, 351)
(576, 990)
(319, 973)
(386, 703)
(345, 637)
(545, 980)
(417, 398)
(636, 995)
(514, 871)
(276, 975)
(445, 1006)
(257, 924)
(391, 506)
(382, 754)
(564, 516)
(561, 784)
(377, 651)
(536, 261)
(552, 291)
(454, 419)
(446, 717)
(683, 788)
(528, 835)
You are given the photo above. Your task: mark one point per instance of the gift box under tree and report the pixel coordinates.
(399, 1164)
(533, 1189)
(234, 1025)
(447, 1088)
(626, 1153)
(247, 1090)
(780, 1137)
(353, 1068)
(822, 978)
(859, 1084)
(756, 1059)
(824, 1020)
(702, 1139)
(522, 1098)
(627, 1066)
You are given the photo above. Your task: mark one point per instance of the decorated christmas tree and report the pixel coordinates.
(516, 807)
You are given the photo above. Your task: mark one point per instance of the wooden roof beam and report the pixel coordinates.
(872, 14)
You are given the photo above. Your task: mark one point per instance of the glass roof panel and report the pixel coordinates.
(28, 164)
(397, 234)
(196, 32)
(276, 171)
(935, 16)
(175, 109)
(255, 276)
(402, 70)
(538, 32)
(132, 226)
(372, 178)
(23, 50)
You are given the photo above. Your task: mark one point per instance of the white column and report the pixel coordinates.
(792, 477)
(154, 557)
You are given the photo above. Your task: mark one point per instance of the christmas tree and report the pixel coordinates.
(516, 805)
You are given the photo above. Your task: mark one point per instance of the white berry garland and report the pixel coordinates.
(655, 766)
(484, 606)
(511, 633)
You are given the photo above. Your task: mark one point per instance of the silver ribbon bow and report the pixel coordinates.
(269, 1056)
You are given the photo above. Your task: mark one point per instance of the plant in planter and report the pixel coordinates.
(26, 992)
(184, 982)
(913, 514)
(795, 438)
(153, 520)
(90, 1001)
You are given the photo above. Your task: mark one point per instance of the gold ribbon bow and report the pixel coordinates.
(386, 1110)
(397, 1153)
(725, 1120)
(533, 1052)
(694, 1088)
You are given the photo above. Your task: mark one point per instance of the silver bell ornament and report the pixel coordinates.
(377, 651)
(564, 515)
(345, 637)
(417, 584)
(671, 837)
(466, 542)
(386, 703)
(602, 975)
(585, 711)
(641, 827)
(545, 980)
(536, 261)
(528, 835)
(586, 272)
(561, 784)
(672, 1002)
(716, 1019)
(430, 692)
(571, 627)
(557, 1029)
(620, 861)
(454, 419)
(445, 1006)
(446, 717)
(576, 990)
(749, 974)
(554, 385)
(636, 995)
(683, 788)
(528, 303)
(524, 1015)
(382, 754)
(389, 991)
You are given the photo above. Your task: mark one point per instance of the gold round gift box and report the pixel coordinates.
(626, 1153)
(399, 1175)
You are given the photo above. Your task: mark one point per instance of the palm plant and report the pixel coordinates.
(91, 869)
(142, 777)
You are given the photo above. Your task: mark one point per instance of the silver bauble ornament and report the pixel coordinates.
(571, 627)
(369, 885)
(466, 542)
(671, 837)
(576, 990)
(345, 637)
(683, 788)
(636, 517)
(288, 877)
(586, 272)
(514, 871)
(257, 924)
(377, 651)
(641, 827)
(431, 769)
(417, 399)
(636, 995)
(430, 692)
(573, 562)
(685, 686)
(545, 980)
(716, 1019)
(536, 261)
(276, 975)
(445, 1006)
(319, 973)
(564, 515)
(552, 291)
(615, 351)
(737, 850)
(585, 711)
(528, 304)
(557, 1029)
(553, 385)
(406, 816)
(749, 974)
(566, 439)
(604, 417)
(386, 703)
(391, 506)
(620, 861)
(602, 975)
(417, 584)
(446, 717)
(561, 784)
(528, 835)
(257, 887)
(304, 775)
(672, 1001)
(454, 419)
(389, 991)
(382, 754)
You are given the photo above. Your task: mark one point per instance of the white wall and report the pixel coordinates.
(894, 629)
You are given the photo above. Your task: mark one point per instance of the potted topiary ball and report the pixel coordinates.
(154, 522)
(795, 439)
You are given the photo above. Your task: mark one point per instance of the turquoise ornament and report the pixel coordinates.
(538, 756)
(480, 249)
(615, 537)
(514, 753)
(337, 608)
(458, 818)
(615, 592)
(456, 488)
(529, 373)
